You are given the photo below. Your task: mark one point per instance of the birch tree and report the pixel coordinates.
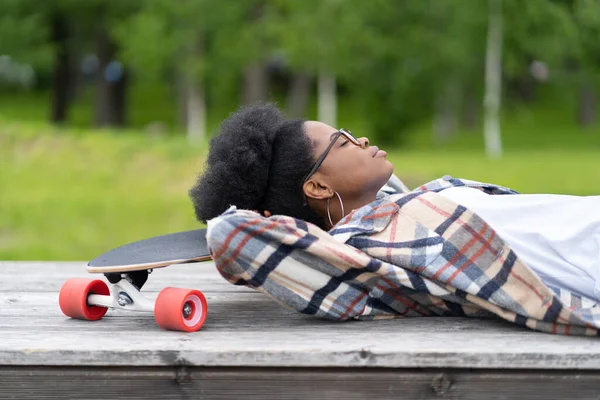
(193, 87)
(327, 98)
(493, 81)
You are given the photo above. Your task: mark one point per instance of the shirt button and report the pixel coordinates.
(446, 177)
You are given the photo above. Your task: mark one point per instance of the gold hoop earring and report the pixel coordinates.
(341, 205)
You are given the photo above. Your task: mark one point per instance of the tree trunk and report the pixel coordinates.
(298, 95)
(446, 119)
(470, 109)
(181, 90)
(256, 80)
(196, 113)
(62, 73)
(110, 91)
(493, 81)
(103, 114)
(327, 98)
(120, 99)
(525, 87)
(193, 100)
(587, 105)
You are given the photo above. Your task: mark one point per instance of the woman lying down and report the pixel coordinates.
(314, 217)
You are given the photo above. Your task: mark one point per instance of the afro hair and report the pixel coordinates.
(257, 161)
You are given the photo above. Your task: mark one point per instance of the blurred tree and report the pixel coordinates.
(63, 71)
(25, 32)
(319, 38)
(415, 59)
(298, 95)
(256, 75)
(166, 36)
(563, 34)
(493, 80)
(27, 37)
(536, 30)
(34, 29)
(587, 18)
(399, 63)
(194, 40)
(100, 19)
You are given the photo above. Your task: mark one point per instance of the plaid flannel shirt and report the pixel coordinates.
(407, 254)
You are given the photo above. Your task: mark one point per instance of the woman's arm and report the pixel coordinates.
(297, 264)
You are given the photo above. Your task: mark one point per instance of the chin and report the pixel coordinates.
(390, 169)
(383, 175)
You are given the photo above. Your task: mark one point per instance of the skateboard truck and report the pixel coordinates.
(124, 296)
(137, 278)
(174, 308)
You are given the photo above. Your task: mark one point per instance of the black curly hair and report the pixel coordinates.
(257, 161)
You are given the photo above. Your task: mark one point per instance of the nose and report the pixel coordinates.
(364, 142)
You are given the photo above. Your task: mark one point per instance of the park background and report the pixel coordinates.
(107, 107)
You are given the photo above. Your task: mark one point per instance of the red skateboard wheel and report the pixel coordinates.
(180, 309)
(73, 298)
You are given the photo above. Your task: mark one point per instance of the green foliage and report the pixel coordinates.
(399, 59)
(587, 46)
(537, 30)
(24, 31)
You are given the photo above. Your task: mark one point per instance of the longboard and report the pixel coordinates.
(126, 268)
(156, 252)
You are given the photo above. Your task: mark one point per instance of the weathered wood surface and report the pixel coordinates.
(246, 329)
(294, 383)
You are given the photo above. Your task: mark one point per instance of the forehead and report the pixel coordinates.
(319, 134)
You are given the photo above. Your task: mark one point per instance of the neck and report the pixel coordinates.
(350, 204)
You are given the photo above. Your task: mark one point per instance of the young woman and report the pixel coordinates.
(450, 247)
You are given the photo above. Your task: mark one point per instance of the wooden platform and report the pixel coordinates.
(252, 348)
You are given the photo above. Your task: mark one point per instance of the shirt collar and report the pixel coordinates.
(369, 219)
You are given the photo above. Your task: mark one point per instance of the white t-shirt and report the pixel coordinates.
(558, 236)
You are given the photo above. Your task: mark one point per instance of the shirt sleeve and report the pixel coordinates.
(320, 276)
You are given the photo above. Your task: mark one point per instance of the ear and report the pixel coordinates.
(316, 189)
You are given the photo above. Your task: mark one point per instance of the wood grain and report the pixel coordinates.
(294, 383)
(246, 329)
(49, 276)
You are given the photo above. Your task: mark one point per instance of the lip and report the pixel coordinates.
(378, 153)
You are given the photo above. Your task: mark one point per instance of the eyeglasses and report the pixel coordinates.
(342, 132)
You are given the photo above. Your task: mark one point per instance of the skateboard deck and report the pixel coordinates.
(155, 252)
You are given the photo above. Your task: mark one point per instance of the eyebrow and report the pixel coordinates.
(334, 133)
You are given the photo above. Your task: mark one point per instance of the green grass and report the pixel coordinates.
(71, 194)
(574, 172)
(541, 128)
(66, 195)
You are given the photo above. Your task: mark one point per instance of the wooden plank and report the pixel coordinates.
(293, 383)
(255, 348)
(49, 276)
(248, 329)
(245, 328)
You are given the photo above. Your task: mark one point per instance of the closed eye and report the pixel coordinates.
(345, 142)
